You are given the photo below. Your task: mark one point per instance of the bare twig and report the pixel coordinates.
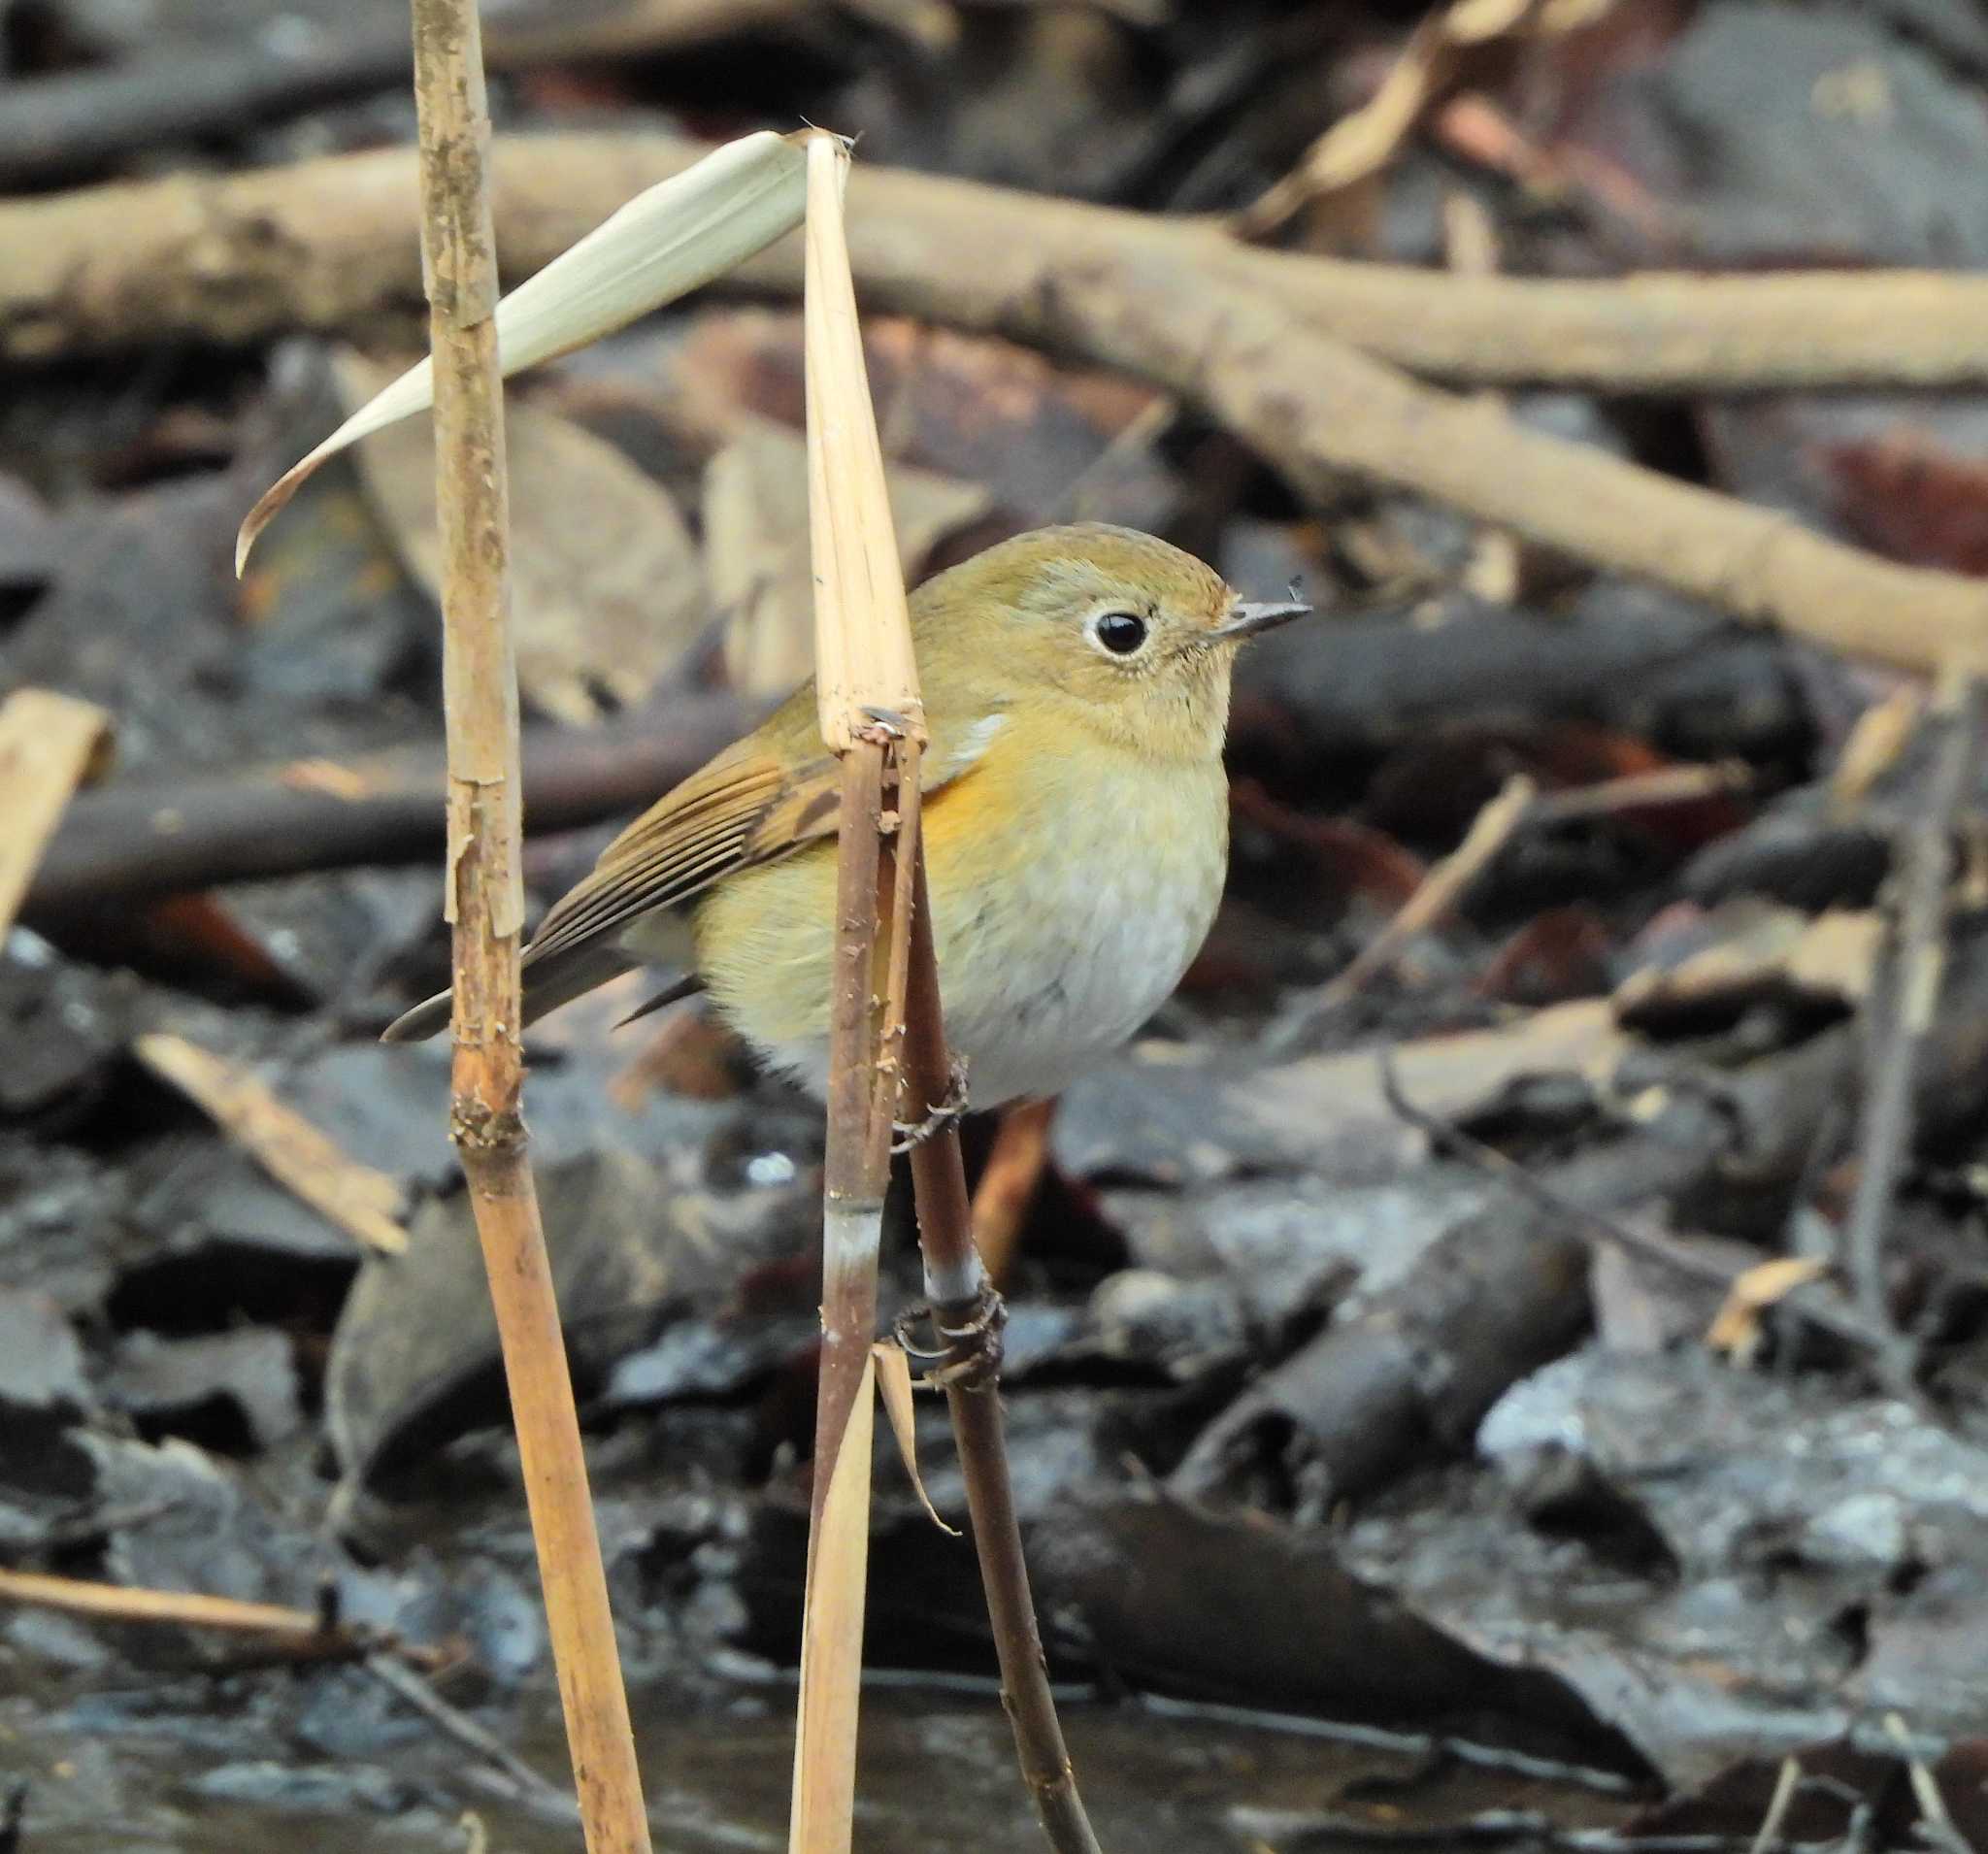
(63, 125)
(290, 1634)
(963, 1303)
(1935, 1820)
(1811, 1301)
(138, 840)
(1426, 1746)
(1911, 996)
(483, 899)
(1530, 1830)
(1786, 1784)
(364, 1203)
(529, 1783)
(237, 257)
(49, 745)
(1637, 791)
(1439, 890)
(1518, 806)
(59, 127)
(1321, 410)
(1249, 344)
(1470, 237)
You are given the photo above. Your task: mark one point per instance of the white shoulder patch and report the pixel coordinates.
(974, 740)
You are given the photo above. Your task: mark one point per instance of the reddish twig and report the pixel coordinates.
(964, 1307)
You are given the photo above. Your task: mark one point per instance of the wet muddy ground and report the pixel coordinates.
(1508, 1370)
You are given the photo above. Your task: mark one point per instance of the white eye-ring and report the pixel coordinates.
(1118, 633)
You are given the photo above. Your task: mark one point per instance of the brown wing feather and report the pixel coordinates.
(744, 807)
(761, 799)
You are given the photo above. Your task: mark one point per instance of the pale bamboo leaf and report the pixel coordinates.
(663, 244)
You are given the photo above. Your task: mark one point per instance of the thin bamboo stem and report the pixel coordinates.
(959, 1290)
(483, 900)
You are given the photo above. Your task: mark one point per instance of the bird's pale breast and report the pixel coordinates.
(1069, 890)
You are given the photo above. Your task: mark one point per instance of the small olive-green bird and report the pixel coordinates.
(1075, 683)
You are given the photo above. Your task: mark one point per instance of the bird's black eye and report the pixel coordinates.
(1119, 632)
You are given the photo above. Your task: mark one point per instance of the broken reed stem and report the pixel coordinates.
(872, 717)
(1908, 997)
(958, 1286)
(302, 1629)
(865, 1027)
(483, 900)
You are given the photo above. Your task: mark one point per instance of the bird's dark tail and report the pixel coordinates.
(548, 984)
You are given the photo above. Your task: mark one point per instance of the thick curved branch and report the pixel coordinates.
(1243, 333)
(328, 243)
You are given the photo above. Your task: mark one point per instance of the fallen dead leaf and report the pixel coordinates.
(1735, 1329)
(1761, 946)
(755, 535)
(1449, 1076)
(1873, 747)
(607, 594)
(49, 745)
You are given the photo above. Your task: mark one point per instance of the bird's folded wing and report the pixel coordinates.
(751, 805)
(744, 807)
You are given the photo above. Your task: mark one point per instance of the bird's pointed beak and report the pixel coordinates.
(1247, 617)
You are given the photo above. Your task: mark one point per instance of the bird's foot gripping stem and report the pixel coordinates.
(967, 1355)
(943, 1118)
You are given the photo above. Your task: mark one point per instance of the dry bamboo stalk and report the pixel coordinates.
(871, 713)
(855, 1177)
(483, 900)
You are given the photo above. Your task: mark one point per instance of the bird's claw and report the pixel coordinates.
(943, 1118)
(889, 723)
(968, 1356)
